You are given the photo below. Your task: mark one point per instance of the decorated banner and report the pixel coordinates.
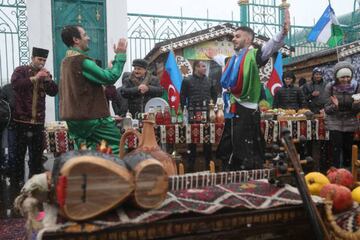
(197, 52)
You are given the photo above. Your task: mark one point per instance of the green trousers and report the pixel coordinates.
(91, 132)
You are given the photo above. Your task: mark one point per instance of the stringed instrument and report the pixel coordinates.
(317, 223)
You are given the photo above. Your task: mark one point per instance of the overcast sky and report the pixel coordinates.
(305, 12)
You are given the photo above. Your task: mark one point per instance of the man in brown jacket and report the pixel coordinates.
(31, 84)
(83, 102)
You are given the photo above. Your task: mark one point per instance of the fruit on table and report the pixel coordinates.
(315, 181)
(339, 195)
(264, 105)
(356, 194)
(340, 176)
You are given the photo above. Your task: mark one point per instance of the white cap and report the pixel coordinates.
(344, 72)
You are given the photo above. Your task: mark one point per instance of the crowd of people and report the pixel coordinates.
(85, 90)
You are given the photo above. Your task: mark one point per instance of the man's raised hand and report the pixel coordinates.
(121, 46)
(286, 21)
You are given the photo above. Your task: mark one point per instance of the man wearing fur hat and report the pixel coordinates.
(314, 92)
(31, 84)
(139, 87)
(341, 109)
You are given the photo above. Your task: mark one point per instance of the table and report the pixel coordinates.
(57, 139)
(219, 211)
(310, 129)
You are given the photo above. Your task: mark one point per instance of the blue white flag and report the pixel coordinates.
(327, 29)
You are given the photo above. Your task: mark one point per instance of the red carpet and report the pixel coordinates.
(12, 229)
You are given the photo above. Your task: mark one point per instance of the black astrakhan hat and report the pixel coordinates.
(40, 52)
(140, 63)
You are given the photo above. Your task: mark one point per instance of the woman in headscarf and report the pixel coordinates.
(341, 109)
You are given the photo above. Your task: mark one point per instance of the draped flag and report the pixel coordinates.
(327, 29)
(171, 80)
(275, 80)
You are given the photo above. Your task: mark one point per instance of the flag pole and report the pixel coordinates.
(337, 46)
(337, 50)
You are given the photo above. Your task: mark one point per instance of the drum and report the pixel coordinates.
(89, 183)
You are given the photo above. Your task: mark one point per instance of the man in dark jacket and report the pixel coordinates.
(314, 92)
(289, 96)
(139, 87)
(195, 90)
(120, 104)
(31, 84)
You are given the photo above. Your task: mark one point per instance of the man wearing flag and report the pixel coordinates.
(241, 142)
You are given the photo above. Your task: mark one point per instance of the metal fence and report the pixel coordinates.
(146, 30)
(14, 49)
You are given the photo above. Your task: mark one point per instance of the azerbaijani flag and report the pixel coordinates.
(327, 29)
(275, 80)
(171, 80)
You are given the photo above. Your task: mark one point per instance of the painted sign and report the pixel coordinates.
(197, 52)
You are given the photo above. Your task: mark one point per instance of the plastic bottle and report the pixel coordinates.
(180, 117)
(185, 115)
(212, 116)
(197, 113)
(204, 112)
(173, 115)
(127, 121)
(159, 118)
(166, 116)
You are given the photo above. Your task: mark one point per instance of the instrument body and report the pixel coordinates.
(150, 179)
(89, 183)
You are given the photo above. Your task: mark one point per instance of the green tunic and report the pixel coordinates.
(93, 131)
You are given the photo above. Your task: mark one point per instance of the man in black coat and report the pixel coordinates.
(289, 96)
(314, 92)
(195, 90)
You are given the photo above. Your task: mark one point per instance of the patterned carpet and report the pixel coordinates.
(12, 229)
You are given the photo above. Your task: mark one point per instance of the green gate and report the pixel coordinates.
(89, 13)
(14, 48)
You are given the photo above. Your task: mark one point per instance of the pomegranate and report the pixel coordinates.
(340, 176)
(339, 195)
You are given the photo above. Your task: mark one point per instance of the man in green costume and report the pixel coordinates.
(83, 103)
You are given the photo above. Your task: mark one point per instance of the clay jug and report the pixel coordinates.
(148, 144)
